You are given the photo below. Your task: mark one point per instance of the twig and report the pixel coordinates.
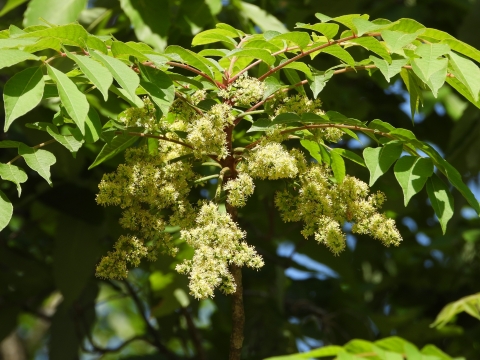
(192, 69)
(151, 330)
(238, 315)
(160, 137)
(180, 96)
(34, 147)
(194, 334)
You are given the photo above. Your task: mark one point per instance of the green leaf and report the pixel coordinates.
(191, 58)
(122, 50)
(300, 66)
(214, 35)
(300, 39)
(14, 174)
(433, 350)
(263, 55)
(126, 77)
(71, 34)
(381, 125)
(364, 26)
(389, 70)
(327, 30)
(261, 18)
(338, 166)
(293, 79)
(95, 72)
(6, 210)
(159, 86)
(412, 172)
(411, 82)
(272, 85)
(429, 62)
(95, 43)
(407, 25)
(339, 52)
(396, 40)
(313, 148)
(350, 155)
(93, 126)
(150, 20)
(233, 32)
(123, 94)
(378, 160)
(325, 351)
(74, 101)
(373, 45)
(319, 80)
(12, 57)
(467, 72)
(469, 304)
(38, 160)
(68, 141)
(118, 144)
(13, 43)
(53, 11)
(347, 20)
(9, 144)
(22, 92)
(441, 200)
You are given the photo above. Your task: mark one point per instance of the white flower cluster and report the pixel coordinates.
(324, 206)
(206, 133)
(271, 161)
(143, 187)
(218, 242)
(239, 189)
(141, 117)
(244, 91)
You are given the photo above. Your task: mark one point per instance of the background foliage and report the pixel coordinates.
(304, 297)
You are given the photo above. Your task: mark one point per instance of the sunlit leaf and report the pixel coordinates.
(379, 159)
(412, 172)
(38, 160)
(14, 174)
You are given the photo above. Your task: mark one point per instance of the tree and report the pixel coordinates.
(213, 130)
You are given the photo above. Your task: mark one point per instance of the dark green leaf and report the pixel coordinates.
(118, 144)
(159, 86)
(350, 155)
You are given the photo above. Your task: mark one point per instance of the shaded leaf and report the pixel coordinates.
(378, 160)
(22, 92)
(10, 5)
(68, 141)
(350, 155)
(338, 166)
(441, 200)
(38, 160)
(14, 174)
(319, 80)
(467, 72)
(469, 304)
(74, 101)
(95, 72)
(412, 172)
(261, 18)
(313, 148)
(374, 46)
(159, 86)
(118, 144)
(191, 58)
(53, 11)
(6, 210)
(414, 90)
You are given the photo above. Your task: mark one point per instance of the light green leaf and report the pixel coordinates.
(325, 351)
(300, 39)
(465, 304)
(338, 166)
(261, 18)
(373, 45)
(150, 20)
(118, 144)
(93, 126)
(233, 32)
(463, 48)
(430, 64)
(379, 160)
(95, 72)
(411, 82)
(12, 57)
(319, 80)
(396, 40)
(123, 51)
(412, 172)
(6, 210)
(313, 148)
(407, 25)
(263, 55)
(339, 52)
(10, 5)
(467, 72)
(293, 79)
(74, 101)
(323, 18)
(300, 66)
(347, 20)
(191, 58)
(13, 43)
(93, 42)
(22, 92)
(14, 174)
(389, 70)
(63, 12)
(453, 175)
(272, 86)
(350, 155)
(68, 141)
(71, 34)
(364, 26)
(327, 30)
(441, 200)
(159, 86)
(38, 160)
(213, 36)
(126, 77)
(435, 351)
